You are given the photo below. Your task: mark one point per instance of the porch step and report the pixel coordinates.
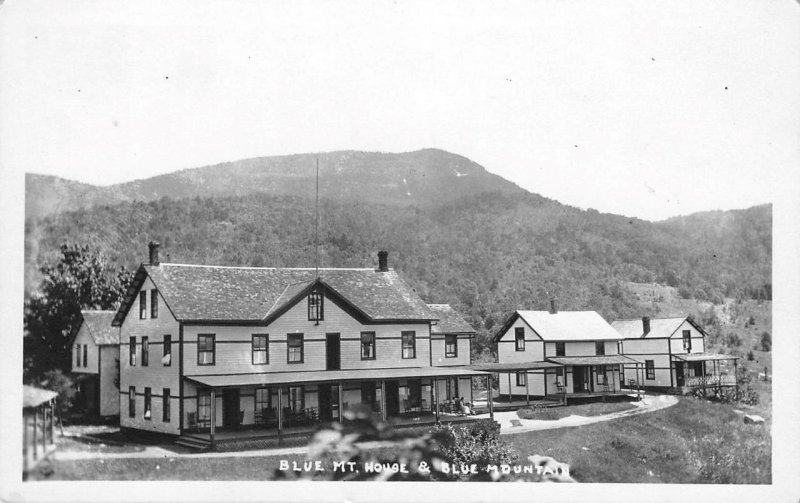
(192, 442)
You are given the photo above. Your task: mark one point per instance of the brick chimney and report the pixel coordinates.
(554, 305)
(383, 261)
(645, 325)
(153, 245)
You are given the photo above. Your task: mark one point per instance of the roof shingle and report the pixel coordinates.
(450, 322)
(99, 326)
(659, 327)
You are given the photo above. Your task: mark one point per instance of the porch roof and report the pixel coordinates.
(33, 397)
(593, 360)
(505, 367)
(330, 376)
(702, 357)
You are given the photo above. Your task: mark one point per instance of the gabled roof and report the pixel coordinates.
(98, 324)
(564, 325)
(258, 294)
(659, 327)
(450, 322)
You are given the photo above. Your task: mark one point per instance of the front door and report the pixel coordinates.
(392, 398)
(332, 352)
(581, 379)
(328, 402)
(679, 378)
(231, 415)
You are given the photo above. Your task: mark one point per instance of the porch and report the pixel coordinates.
(289, 404)
(706, 373)
(38, 427)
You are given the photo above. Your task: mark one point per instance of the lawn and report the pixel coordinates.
(695, 441)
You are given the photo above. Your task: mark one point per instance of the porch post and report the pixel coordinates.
(52, 422)
(736, 375)
(545, 382)
(436, 398)
(280, 409)
(490, 379)
(25, 440)
(527, 389)
(35, 432)
(213, 415)
(341, 411)
(383, 401)
(509, 387)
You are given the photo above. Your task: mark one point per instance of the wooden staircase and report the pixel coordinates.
(193, 442)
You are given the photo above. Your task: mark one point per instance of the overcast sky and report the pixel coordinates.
(647, 109)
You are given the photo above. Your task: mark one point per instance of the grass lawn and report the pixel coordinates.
(584, 409)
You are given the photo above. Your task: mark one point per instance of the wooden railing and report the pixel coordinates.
(713, 380)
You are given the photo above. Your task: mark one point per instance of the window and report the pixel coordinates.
(296, 398)
(520, 378)
(203, 408)
(145, 351)
(142, 305)
(294, 348)
(650, 369)
(77, 355)
(206, 349)
(519, 338)
(687, 341)
(131, 401)
(409, 344)
(602, 377)
(260, 351)
(367, 345)
(165, 406)
(132, 351)
(315, 306)
(560, 349)
(450, 346)
(154, 303)
(559, 372)
(262, 400)
(599, 348)
(148, 398)
(166, 360)
(85, 354)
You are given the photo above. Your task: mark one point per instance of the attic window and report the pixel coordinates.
(687, 341)
(316, 311)
(142, 305)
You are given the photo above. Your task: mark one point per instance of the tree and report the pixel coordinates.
(82, 279)
(766, 341)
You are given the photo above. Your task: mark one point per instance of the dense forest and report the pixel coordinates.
(486, 250)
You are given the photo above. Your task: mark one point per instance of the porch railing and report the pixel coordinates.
(712, 380)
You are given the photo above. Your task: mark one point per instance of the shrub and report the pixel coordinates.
(56, 380)
(733, 340)
(477, 443)
(766, 341)
(750, 356)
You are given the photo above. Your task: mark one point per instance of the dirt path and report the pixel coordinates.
(648, 404)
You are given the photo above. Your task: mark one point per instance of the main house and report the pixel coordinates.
(210, 347)
(558, 353)
(673, 352)
(95, 364)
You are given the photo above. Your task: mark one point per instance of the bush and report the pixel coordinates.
(56, 380)
(750, 356)
(477, 443)
(733, 340)
(766, 341)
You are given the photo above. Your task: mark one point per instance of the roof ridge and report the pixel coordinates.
(651, 319)
(270, 268)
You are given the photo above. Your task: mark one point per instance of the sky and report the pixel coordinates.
(647, 109)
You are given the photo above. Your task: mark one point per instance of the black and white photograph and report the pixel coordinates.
(306, 251)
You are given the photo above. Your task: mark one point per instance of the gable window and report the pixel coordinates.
(166, 360)
(519, 338)
(77, 355)
(154, 303)
(687, 341)
(520, 378)
(315, 306)
(145, 351)
(131, 401)
(409, 344)
(599, 348)
(560, 349)
(450, 346)
(294, 348)
(142, 305)
(85, 355)
(148, 401)
(367, 345)
(132, 351)
(260, 351)
(650, 369)
(165, 406)
(206, 350)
